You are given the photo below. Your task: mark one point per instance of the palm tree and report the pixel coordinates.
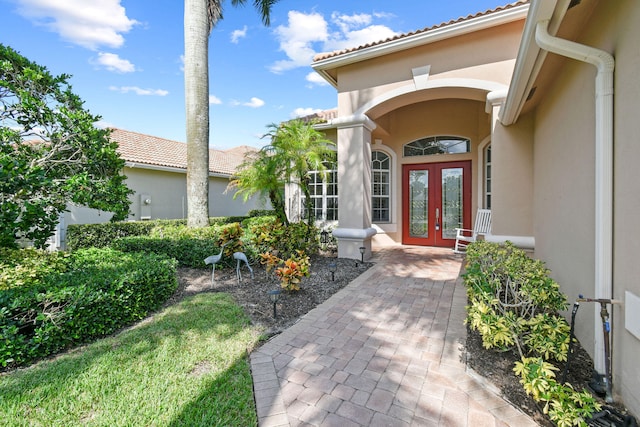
(199, 18)
(300, 149)
(296, 149)
(261, 174)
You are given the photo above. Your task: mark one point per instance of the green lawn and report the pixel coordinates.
(186, 366)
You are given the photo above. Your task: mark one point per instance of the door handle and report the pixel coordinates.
(437, 219)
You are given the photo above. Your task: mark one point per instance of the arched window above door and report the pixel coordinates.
(437, 145)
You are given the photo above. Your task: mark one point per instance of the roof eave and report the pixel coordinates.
(174, 169)
(530, 57)
(427, 37)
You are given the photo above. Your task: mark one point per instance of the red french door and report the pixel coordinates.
(436, 199)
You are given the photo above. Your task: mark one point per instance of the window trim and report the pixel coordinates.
(389, 173)
(434, 142)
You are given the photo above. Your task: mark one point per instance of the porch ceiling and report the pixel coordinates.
(425, 96)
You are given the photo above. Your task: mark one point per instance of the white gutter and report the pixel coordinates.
(423, 38)
(604, 63)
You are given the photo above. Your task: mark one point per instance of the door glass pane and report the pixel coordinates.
(451, 201)
(418, 203)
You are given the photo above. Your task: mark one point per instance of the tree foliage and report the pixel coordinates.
(51, 153)
(296, 149)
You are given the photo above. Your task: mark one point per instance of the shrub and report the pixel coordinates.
(514, 302)
(290, 271)
(509, 293)
(268, 234)
(188, 252)
(85, 236)
(564, 406)
(100, 291)
(28, 267)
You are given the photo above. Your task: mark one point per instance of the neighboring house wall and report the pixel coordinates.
(167, 192)
(168, 195)
(156, 172)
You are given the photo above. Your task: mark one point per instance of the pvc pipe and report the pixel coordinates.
(605, 64)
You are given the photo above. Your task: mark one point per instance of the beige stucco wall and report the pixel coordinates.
(169, 195)
(449, 100)
(625, 33)
(512, 170)
(484, 55)
(564, 190)
(167, 191)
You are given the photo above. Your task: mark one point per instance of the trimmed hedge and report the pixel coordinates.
(95, 293)
(82, 236)
(188, 252)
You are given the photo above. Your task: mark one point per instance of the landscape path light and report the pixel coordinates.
(333, 267)
(362, 249)
(274, 296)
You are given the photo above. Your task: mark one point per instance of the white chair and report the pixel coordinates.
(466, 236)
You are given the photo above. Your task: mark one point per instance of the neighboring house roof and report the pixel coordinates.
(137, 148)
(320, 116)
(326, 55)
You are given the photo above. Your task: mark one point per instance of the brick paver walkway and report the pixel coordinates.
(383, 351)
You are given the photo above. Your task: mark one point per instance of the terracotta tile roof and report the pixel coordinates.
(151, 150)
(321, 116)
(327, 55)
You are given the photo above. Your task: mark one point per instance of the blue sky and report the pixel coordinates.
(125, 56)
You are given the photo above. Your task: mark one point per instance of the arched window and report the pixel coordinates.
(437, 145)
(380, 187)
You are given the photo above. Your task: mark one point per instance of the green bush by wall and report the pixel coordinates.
(91, 293)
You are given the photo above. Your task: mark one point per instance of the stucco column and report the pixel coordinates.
(354, 186)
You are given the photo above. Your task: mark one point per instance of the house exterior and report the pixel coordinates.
(529, 110)
(156, 171)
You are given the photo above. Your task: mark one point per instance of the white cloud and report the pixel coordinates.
(307, 34)
(88, 23)
(316, 79)
(297, 38)
(302, 112)
(347, 22)
(254, 103)
(102, 124)
(139, 91)
(236, 35)
(214, 100)
(113, 62)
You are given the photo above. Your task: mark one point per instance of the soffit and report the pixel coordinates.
(571, 28)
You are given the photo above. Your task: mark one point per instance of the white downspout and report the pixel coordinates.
(605, 63)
